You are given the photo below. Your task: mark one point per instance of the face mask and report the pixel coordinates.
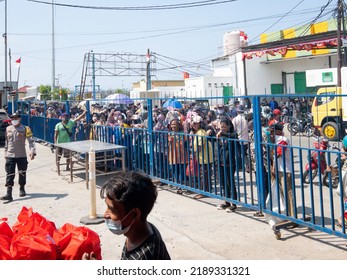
(15, 122)
(220, 111)
(116, 226)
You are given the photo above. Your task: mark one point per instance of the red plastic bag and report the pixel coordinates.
(28, 220)
(74, 241)
(33, 237)
(35, 245)
(192, 168)
(6, 235)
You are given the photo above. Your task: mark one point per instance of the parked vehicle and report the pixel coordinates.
(5, 121)
(332, 173)
(317, 162)
(302, 125)
(329, 108)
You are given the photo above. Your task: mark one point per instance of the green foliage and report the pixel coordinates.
(57, 94)
(45, 96)
(45, 89)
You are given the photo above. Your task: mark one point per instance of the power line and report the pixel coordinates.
(281, 18)
(315, 19)
(142, 8)
(183, 29)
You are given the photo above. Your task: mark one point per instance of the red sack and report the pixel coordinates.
(6, 235)
(74, 241)
(5, 253)
(5, 229)
(27, 220)
(192, 168)
(35, 245)
(33, 237)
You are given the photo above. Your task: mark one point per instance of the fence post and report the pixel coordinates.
(150, 136)
(258, 138)
(45, 123)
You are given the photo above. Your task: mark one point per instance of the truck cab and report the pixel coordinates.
(327, 112)
(329, 107)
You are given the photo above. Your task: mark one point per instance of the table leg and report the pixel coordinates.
(71, 166)
(57, 162)
(87, 170)
(123, 159)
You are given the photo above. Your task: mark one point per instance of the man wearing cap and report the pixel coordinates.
(276, 116)
(15, 155)
(63, 134)
(283, 162)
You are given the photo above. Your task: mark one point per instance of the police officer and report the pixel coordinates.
(15, 155)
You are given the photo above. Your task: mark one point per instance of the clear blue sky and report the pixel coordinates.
(166, 32)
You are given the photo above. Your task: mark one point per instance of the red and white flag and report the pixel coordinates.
(18, 61)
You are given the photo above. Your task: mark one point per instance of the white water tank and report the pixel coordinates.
(231, 43)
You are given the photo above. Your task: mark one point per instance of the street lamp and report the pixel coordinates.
(5, 38)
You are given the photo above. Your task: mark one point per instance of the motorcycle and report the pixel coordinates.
(332, 173)
(316, 160)
(303, 125)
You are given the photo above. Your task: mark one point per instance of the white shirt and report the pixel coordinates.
(280, 162)
(241, 127)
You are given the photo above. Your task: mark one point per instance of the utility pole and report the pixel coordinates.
(5, 38)
(53, 49)
(339, 48)
(148, 71)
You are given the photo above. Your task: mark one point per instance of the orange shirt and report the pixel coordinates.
(177, 153)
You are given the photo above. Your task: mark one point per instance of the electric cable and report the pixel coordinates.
(143, 8)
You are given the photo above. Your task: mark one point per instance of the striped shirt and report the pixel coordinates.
(151, 249)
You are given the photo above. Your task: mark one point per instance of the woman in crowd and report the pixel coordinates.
(160, 148)
(202, 151)
(177, 155)
(227, 163)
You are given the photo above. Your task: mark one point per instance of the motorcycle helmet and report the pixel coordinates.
(344, 141)
(325, 143)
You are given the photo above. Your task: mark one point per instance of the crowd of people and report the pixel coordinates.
(192, 146)
(187, 140)
(195, 146)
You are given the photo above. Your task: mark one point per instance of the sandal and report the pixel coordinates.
(231, 208)
(258, 214)
(338, 223)
(199, 196)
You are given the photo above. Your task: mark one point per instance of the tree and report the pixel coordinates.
(56, 94)
(45, 91)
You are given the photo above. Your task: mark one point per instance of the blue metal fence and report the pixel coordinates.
(202, 170)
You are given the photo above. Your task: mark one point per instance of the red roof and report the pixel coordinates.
(23, 89)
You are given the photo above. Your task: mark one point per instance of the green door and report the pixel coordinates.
(300, 82)
(276, 88)
(227, 93)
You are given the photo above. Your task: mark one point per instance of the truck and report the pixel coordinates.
(329, 107)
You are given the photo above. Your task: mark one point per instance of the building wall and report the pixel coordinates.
(141, 85)
(261, 74)
(207, 86)
(4, 98)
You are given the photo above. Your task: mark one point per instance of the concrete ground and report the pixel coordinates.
(192, 229)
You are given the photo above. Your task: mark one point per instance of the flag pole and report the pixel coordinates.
(10, 93)
(20, 62)
(9, 61)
